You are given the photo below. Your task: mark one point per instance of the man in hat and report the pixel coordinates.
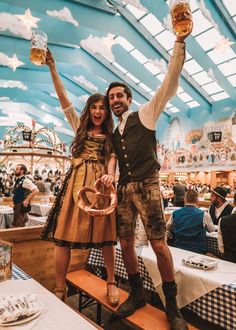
(226, 235)
(219, 206)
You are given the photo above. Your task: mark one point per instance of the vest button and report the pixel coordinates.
(122, 140)
(129, 173)
(125, 156)
(127, 164)
(123, 147)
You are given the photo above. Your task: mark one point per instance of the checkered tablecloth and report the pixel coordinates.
(212, 246)
(218, 306)
(19, 274)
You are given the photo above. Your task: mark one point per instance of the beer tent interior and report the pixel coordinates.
(96, 42)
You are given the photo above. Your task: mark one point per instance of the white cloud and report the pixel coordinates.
(136, 4)
(167, 23)
(4, 99)
(83, 81)
(160, 64)
(14, 25)
(83, 97)
(101, 46)
(12, 84)
(64, 15)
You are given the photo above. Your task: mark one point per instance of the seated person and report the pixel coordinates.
(189, 225)
(219, 206)
(227, 234)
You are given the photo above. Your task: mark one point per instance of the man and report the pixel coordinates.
(227, 234)
(24, 190)
(138, 189)
(40, 184)
(179, 190)
(219, 206)
(189, 225)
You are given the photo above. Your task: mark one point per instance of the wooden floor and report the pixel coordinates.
(90, 312)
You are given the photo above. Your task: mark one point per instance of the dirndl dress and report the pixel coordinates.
(68, 225)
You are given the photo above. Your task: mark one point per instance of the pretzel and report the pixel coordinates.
(91, 208)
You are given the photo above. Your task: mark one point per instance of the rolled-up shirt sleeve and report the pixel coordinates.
(73, 117)
(150, 111)
(208, 222)
(28, 184)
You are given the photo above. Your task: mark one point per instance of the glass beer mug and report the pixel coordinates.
(181, 16)
(38, 48)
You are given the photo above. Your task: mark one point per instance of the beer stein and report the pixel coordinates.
(181, 16)
(38, 48)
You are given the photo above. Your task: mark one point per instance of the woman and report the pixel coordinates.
(67, 225)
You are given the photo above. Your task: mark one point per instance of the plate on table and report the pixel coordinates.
(200, 262)
(40, 309)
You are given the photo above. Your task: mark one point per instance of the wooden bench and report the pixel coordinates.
(146, 318)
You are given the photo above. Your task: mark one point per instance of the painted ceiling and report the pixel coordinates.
(96, 42)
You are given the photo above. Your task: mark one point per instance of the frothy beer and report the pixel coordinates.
(37, 56)
(181, 18)
(38, 48)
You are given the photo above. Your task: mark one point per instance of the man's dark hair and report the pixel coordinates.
(127, 90)
(23, 168)
(191, 196)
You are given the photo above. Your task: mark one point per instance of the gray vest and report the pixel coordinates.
(136, 151)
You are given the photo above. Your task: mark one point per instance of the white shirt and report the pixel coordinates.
(219, 210)
(122, 123)
(150, 111)
(28, 184)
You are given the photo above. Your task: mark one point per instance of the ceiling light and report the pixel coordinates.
(212, 88)
(185, 97)
(139, 56)
(220, 96)
(152, 24)
(174, 109)
(145, 87)
(232, 80)
(136, 80)
(119, 67)
(193, 104)
(124, 43)
(192, 67)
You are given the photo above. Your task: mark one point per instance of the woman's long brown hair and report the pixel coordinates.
(86, 124)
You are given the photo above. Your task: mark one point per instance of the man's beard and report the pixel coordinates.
(17, 174)
(215, 203)
(125, 108)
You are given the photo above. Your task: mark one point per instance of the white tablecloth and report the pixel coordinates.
(192, 282)
(40, 209)
(56, 315)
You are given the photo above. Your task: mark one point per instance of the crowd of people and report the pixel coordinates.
(47, 181)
